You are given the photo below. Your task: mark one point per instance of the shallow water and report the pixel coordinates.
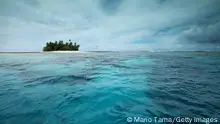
(108, 87)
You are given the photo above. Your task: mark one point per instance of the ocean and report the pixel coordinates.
(108, 87)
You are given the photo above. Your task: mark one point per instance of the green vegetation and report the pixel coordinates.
(61, 46)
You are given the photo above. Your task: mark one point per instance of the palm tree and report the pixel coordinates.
(54, 46)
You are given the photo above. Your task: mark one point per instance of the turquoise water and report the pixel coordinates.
(108, 87)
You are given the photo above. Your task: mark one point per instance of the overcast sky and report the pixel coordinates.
(26, 25)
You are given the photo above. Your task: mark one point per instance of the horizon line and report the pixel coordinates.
(122, 51)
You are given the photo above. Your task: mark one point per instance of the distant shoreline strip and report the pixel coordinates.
(42, 52)
(19, 52)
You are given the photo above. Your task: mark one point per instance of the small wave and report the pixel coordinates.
(70, 79)
(122, 66)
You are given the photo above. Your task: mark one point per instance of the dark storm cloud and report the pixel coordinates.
(203, 27)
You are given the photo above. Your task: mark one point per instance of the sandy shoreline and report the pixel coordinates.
(67, 52)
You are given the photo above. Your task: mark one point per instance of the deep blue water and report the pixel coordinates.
(108, 87)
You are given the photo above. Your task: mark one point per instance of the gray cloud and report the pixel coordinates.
(110, 7)
(111, 24)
